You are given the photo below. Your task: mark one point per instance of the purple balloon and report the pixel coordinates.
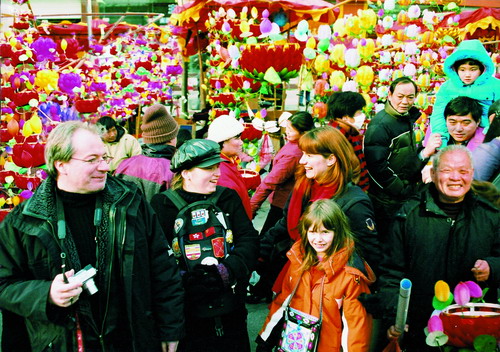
(45, 49)
(68, 81)
(266, 26)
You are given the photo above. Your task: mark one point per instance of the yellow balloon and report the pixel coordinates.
(337, 54)
(399, 58)
(13, 42)
(64, 44)
(424, 80)
(397, 74)
(353, 25)
(16, 200)
(46, 80)
(2, 202)
(29, 53)
(442, 291)
(254, 12)
(366, 51)
(368, 19)
(339, 27)
(321, 64)
(364, 77)
(337, 78)
(244, 27)
(422, 102)
(36, 123)
(311, 43)
(27, 130)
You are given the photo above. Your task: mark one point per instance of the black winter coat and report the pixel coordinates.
(243, 257)
(391, 152)
(426, 245)
(148, 277)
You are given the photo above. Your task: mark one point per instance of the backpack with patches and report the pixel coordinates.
(201, 231)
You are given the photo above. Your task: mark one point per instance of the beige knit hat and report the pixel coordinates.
(158, 127)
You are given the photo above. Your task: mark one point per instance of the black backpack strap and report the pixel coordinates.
(178, 201)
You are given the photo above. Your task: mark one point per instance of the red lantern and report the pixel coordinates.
(23, 98)
(28, 155)
(250, 132)
(250, 178)
(463, 324)
(22, 181)
(255, 59)
(87, 105)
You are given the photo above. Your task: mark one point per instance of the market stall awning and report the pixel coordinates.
(195, 13)
(474, 21)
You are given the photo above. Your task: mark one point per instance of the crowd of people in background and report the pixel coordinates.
(150, 245)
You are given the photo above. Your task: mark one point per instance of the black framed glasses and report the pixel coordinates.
(95, 161)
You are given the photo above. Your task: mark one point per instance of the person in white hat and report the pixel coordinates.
(226, 131)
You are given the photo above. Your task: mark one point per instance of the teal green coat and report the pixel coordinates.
(486, 88)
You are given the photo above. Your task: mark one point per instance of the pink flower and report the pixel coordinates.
(474, 289)
(462, 294)
(435, 324)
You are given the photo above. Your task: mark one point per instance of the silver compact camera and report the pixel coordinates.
(86, 277)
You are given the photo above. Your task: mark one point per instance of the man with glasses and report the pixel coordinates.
(226, 131)
(78, 221)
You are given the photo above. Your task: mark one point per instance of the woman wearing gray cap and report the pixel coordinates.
(216, 246)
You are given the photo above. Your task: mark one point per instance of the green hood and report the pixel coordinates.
(469, 49)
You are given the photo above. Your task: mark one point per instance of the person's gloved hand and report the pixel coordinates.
(206, 281)
(372, 304)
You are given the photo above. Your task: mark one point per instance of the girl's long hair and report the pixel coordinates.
(327, 213)
(327, 141)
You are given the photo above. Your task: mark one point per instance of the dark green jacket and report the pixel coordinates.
(147, 274)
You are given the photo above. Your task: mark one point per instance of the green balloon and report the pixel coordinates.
(309, 53)
(154, 57)
(251, 40)
(323, 45)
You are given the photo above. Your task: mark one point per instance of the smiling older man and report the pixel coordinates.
(446, 233)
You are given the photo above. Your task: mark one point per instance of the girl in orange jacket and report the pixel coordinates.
(325, 253)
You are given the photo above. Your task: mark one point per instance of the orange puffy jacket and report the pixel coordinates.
(345, 321)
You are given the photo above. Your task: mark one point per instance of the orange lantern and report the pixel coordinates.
(319, 110)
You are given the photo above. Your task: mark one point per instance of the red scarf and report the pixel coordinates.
(295, 207)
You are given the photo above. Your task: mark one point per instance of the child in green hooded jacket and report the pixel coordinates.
(470, 71)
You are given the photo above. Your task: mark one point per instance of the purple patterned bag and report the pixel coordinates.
(300, 330)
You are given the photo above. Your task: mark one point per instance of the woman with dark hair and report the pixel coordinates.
(327, 168)
(119, 144)
(278, 185)
(345, 113)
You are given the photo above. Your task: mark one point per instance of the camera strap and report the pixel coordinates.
(61, 225)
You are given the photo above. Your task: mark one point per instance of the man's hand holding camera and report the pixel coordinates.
(64, 293)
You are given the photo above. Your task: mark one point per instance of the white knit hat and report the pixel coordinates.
(223, 128)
